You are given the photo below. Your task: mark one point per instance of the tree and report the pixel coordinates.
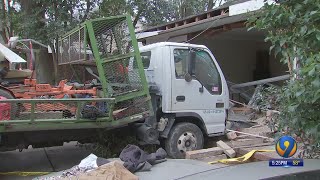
(155, 12)
(293, 28)
(148, 12)
(6, 15)
(44, 20)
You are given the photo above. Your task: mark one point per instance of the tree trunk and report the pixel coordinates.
(136, 19)
(4, 24)
(26, 6)
(88, 3)
(211, 4)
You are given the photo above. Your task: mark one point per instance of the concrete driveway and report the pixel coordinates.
(51, 159)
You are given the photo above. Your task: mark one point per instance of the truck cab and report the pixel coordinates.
(189, 94)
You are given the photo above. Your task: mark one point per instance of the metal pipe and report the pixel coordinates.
(263, 81)
(34, 41)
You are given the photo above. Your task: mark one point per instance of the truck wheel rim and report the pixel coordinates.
(187, 142)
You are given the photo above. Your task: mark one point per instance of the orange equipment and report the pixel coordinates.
(31, 90)
(5, 109)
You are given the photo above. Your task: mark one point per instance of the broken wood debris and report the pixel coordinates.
(226, 149)
(198, 154)
(213, 158)
(246, 142)
(248, 134)
(212, 154)
(231, 135)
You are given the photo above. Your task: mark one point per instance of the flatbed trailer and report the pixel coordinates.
(93, 50)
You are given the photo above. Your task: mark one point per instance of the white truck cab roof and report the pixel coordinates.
(161, 44)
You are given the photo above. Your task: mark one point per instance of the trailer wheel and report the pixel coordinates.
(14, 107)
(183, 137)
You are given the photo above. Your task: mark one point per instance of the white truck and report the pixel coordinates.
(189, 94)
(176, 94)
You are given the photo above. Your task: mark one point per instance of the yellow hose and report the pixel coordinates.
(241, 159)
(21, 173)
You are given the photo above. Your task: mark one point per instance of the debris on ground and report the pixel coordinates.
(226, 149)
(135, 159)
(222, 151)
(203, 153)
(247, 128)
(132, 159)
(241, 159)
(231, 135)
(111, 171)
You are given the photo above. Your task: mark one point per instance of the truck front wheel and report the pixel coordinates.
(183, 137)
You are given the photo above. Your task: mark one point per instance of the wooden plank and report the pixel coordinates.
(246, 142)
(226, 149)
(197, 154)
(239, 132)
(213, 158)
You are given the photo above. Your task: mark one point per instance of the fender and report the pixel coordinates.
(199, 121)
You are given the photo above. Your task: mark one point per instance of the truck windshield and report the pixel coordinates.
(203, 69)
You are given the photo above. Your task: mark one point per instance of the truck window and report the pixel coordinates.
(145, 58)
(180, 61)
(204, 69)
(207, 73)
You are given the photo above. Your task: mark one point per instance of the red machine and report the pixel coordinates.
(31, 90)
(5, 109)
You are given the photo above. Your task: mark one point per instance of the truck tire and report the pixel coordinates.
(14, 107)
(183, 137)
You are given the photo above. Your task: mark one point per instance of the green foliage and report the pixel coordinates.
(44, 20)
(266, 98)
(293, 28)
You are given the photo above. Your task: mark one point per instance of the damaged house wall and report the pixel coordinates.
(241, 53)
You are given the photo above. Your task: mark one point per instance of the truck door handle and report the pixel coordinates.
(219, 105)
(180, 98)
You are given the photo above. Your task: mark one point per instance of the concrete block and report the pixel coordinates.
(203, 153)
(226, 149)
(231, 135)
(213, 158)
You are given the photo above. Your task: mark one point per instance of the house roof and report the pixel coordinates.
(230, 15)
(194, 18)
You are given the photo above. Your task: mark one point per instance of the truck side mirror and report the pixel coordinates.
(191, 61)
(187, 77)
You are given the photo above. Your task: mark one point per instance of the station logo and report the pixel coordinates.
(286, 146)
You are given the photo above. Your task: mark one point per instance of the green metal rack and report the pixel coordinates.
(106, 46)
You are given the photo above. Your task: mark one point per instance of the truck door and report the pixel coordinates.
(205, 95)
